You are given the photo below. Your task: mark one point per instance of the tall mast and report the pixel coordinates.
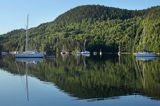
(26, 48)
(85, 44)
(119, 49)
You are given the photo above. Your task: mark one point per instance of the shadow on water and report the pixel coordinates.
(94, 78)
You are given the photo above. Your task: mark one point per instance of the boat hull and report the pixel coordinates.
(145, 55)
(29, 55)
(85, 53)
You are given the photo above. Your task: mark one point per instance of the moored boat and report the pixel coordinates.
(85, 52)
(27, 53)
(145, 54)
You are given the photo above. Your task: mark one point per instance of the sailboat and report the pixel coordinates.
(77, 52)
(63, 52)
(119, 50)
(145, 55)
(28, 53)
(100, 53)
(85, 53)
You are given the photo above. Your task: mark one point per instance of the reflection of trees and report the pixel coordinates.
(98, 79)
(149, 73)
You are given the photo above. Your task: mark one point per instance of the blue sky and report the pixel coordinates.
(13, 12)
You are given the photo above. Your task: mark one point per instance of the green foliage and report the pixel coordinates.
(96, 12)
(103, 27)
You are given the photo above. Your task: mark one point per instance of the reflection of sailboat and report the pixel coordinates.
(27, 90)
(84, 61)
(85, 53)
(27, 53)
(29, 60)
(146, 58)
(26, 79)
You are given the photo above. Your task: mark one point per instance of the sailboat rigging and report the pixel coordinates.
(28, 53)
(85, 53)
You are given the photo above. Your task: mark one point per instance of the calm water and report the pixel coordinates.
(81, 81)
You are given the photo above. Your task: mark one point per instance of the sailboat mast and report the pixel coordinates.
(26, 47)
(119, 49)
(85, 44)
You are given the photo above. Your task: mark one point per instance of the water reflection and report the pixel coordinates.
(29, 60)
(93, 78)
(146, 58)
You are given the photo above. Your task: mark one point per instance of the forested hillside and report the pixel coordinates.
(104, 28)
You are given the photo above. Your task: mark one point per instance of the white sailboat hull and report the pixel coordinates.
(85, 53)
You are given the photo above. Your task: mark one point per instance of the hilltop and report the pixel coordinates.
(97, 12)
